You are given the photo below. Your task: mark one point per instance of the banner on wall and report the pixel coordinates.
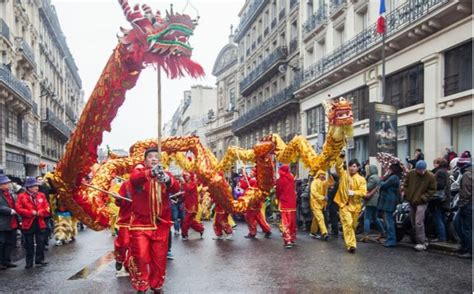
(383, 129)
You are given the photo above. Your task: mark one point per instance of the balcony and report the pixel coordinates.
(255, 115)
(26, 52)
(263, 70)
(365, 47)
(336, 8)
(315, 23)
(16, 86)
(4, 30)
(253, 10)
(282, 14)
(54, 123)
(293, 45)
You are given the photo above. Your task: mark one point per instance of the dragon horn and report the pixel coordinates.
(125, 7)
(148, 12)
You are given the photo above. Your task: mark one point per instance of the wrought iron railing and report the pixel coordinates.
(4, 29)
(280, 53)
(252, 11)
(259, 111)
(16, 85)
(57, 123)
(396, 20)
(335, 5)
(27, 51)
(315, 20)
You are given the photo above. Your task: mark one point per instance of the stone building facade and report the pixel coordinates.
(428, 71)
(40, 89)
(219, 134)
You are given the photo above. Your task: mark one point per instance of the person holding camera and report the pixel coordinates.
(150, 222)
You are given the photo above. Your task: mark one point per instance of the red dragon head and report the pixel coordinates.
(160, 40)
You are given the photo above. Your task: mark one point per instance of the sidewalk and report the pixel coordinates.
(447, 248)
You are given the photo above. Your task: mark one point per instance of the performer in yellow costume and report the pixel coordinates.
(352, 188)
(318, 203)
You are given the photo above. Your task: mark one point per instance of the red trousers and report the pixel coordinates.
(221, 223)
(147, 265)
(122, 244)
(252, 217)
(191, 222)
(288, 223)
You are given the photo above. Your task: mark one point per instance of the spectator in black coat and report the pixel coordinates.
(9, 222)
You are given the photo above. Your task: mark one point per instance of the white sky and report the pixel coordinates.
(91, 27)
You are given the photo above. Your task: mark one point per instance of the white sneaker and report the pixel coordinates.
(229, 237)
(58, 243)
(420, 247)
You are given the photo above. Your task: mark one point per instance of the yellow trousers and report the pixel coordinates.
(349, 225)
(318, 222)
(231, 220)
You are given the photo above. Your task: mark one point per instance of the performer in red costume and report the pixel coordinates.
(122, 242)
(191, 206)
(150, 222)
(286, 195)
(254, 215)
(221, 223)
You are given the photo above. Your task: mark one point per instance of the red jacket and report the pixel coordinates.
(26, 204)
(285, 190)
(125, 207)
(190, 197)
(147, 210)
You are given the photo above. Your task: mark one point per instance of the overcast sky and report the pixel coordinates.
(91, 28)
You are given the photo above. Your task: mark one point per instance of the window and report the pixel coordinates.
(315, 120)
(232, 98)
(415, 138)
(360, 149)
(405, 88)
(458, 69)
(462, 133)
(360, 102)
(309, 8)
(13, 125)
(339, 36)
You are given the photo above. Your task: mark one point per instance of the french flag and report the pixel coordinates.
(381, 19)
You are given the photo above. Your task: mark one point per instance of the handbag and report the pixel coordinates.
(439, 195)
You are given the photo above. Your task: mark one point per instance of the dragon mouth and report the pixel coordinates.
(343, 114)
(176, 36)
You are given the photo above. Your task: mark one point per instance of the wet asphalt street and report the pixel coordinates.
(248, 266)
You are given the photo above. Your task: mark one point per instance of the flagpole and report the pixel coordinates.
(383, 67)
